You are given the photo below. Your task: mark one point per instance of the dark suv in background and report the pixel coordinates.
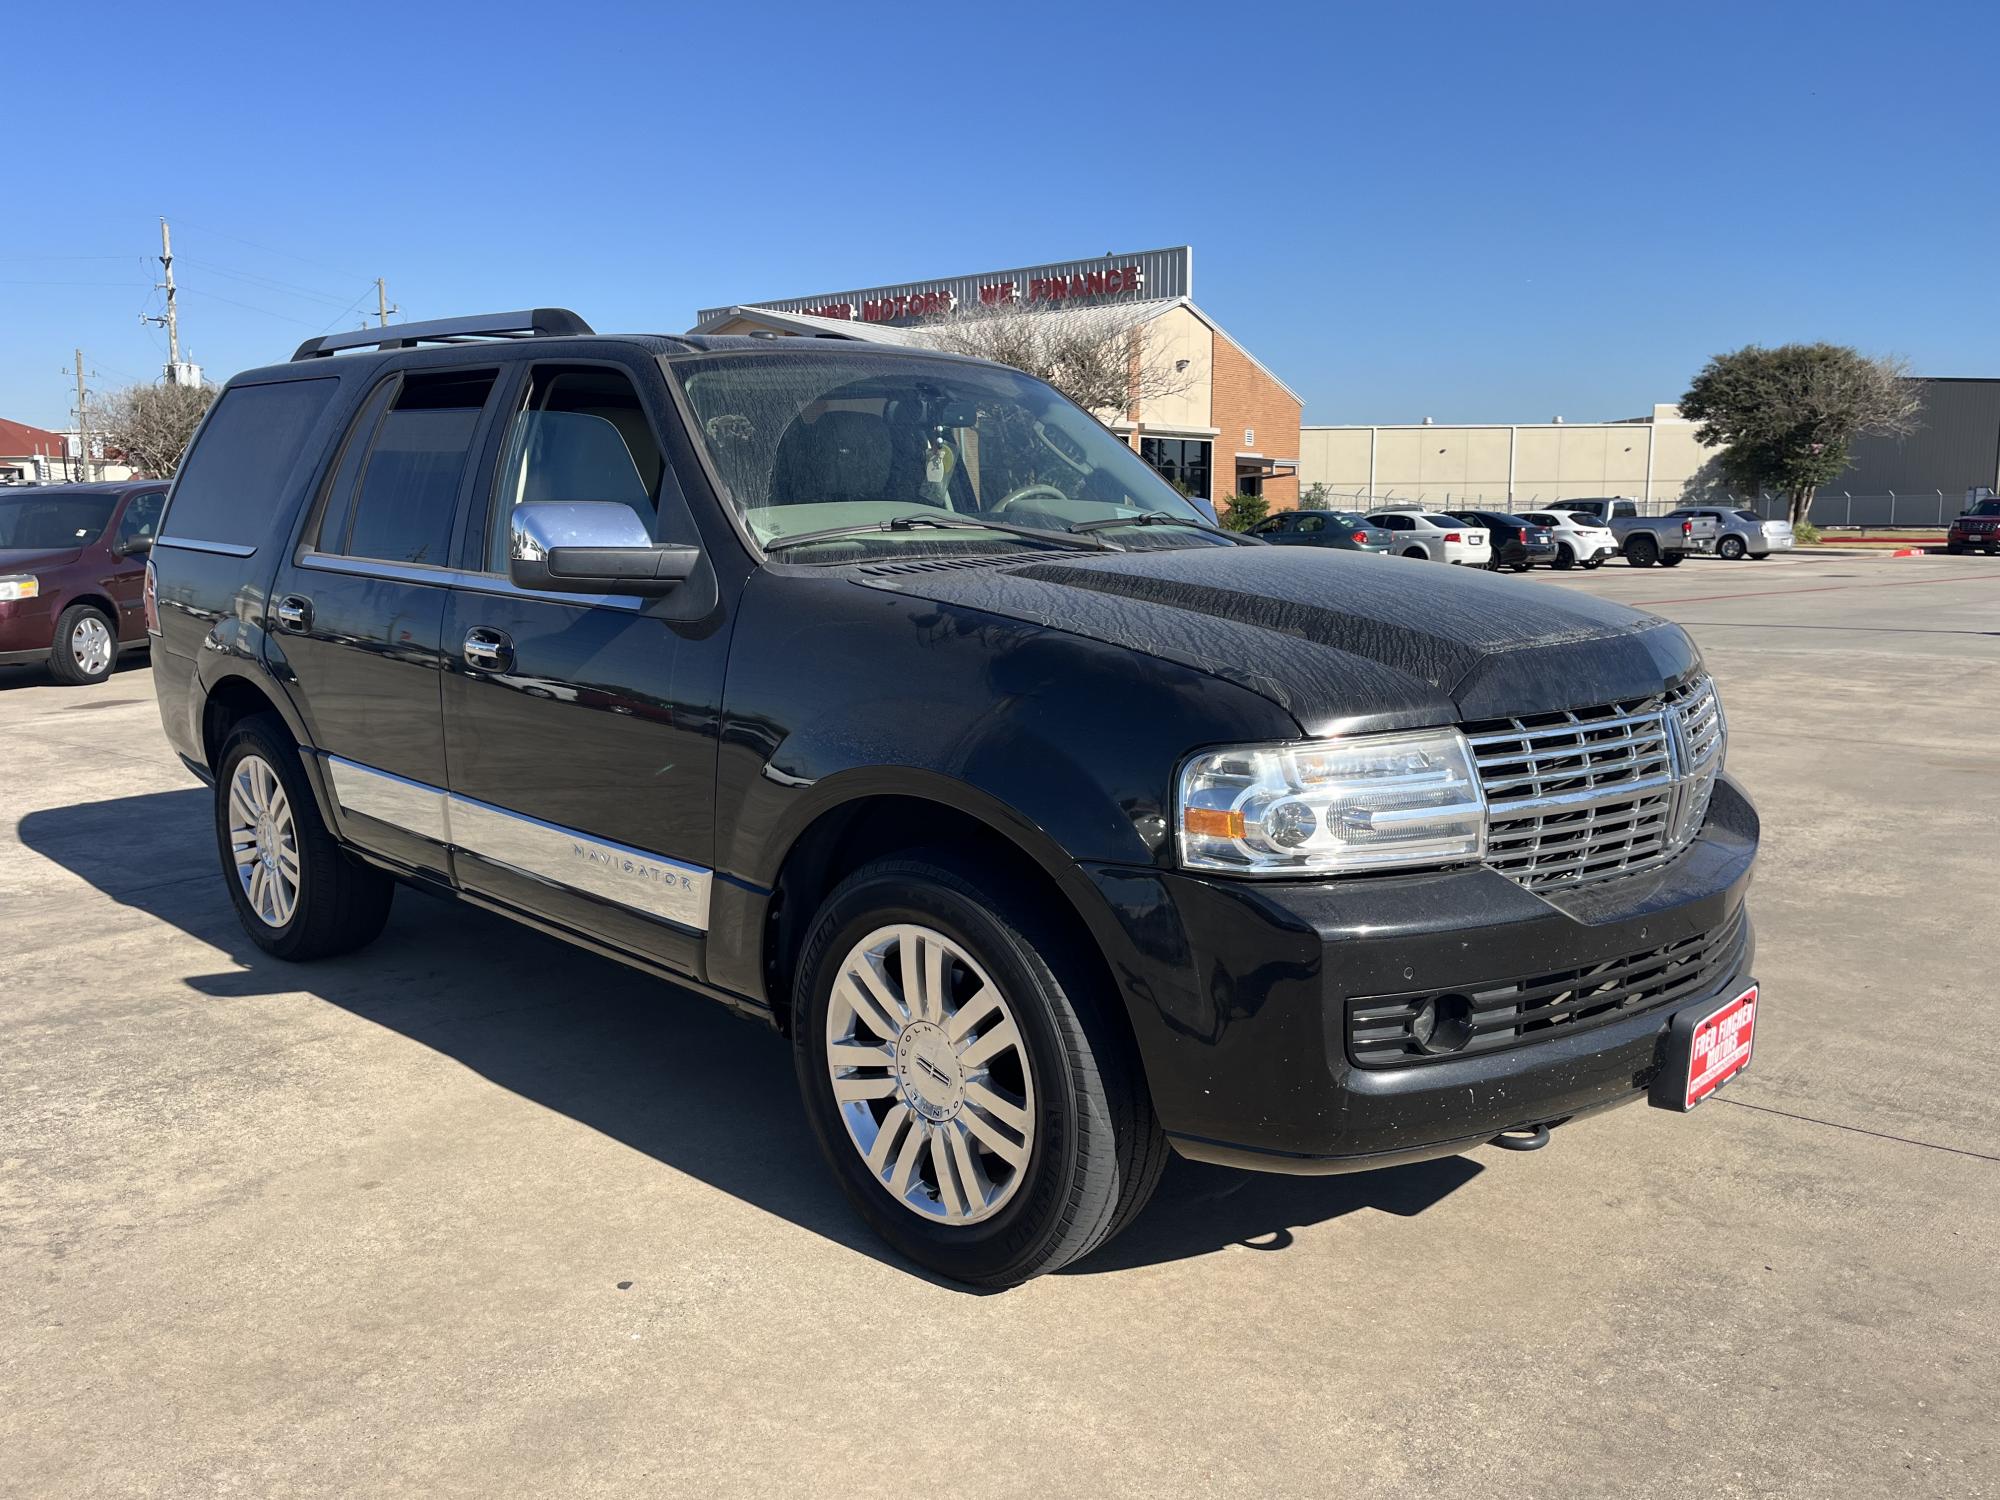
(890, 699)
(72, 564)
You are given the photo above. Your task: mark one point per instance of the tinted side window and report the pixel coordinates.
(582, 434)
(233, 481)
(141, 518)
(402, 507)
(1312, 523)
(1624, 508)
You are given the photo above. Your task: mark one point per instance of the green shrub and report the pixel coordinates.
(1805, 533)
(1245, 511)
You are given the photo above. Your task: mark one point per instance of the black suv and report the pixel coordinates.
(1517, 543)
(887, 697)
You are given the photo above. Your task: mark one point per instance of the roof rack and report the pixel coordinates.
(537, 322)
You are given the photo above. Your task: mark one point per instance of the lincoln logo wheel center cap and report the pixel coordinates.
(927, 1071)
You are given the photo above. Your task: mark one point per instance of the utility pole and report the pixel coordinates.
(82, 424)
(170, 319)
(382, 307)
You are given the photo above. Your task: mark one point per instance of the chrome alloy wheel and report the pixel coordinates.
(930, 1074)
(263, 842)
(90, 645)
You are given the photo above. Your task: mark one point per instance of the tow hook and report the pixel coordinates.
(1522, 1138)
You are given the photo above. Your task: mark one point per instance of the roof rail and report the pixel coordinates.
(536, 322)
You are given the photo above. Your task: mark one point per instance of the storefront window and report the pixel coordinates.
(1182, 462)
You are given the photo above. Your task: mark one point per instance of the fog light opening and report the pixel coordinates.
(1443, 1023)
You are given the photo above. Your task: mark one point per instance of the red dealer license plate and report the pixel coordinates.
(1705, 1051)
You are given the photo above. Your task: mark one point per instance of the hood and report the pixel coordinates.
(1344, 641)
(27, 559)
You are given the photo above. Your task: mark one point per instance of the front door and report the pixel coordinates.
(581, 731)
(358, 611)
(125, 580)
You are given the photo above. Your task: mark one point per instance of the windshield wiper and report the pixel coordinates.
(944, 521)
(1155, 518)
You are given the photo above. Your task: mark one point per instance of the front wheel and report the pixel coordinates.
(85, 648)
(297, 892)
(977, 1102)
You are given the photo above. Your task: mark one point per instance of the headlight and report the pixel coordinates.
(19, 586)
(1332, 805)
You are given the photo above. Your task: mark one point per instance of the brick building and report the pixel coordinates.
(1227, 426)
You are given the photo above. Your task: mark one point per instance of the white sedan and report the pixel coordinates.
(1435, 537)
(1579, 539)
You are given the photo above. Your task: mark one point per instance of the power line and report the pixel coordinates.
(268, 283)
(274, 250)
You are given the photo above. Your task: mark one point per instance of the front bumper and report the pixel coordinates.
(1239, 993)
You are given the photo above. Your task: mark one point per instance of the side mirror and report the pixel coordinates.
(135, 546)
(591, 547)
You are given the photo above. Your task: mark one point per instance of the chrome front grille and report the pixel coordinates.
(1586, 794)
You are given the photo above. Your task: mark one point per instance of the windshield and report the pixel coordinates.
(1986, 508)
(48, 522)
(819, 441)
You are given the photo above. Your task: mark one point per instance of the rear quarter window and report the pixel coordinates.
(234, 480)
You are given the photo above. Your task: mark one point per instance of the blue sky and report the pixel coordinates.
(1473, 212)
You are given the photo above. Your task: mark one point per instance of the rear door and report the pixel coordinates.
(359, 608)
(580, 730)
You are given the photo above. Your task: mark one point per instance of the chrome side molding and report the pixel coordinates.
(654, 884)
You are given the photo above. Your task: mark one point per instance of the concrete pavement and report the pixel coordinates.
(472, 1213)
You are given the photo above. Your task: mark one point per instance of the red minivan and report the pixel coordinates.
(73, 573)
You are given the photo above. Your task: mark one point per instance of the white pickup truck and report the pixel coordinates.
(1646, 540)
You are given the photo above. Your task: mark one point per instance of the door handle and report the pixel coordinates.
(488, 650)
(295, 613)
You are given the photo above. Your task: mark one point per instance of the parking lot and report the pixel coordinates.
(472, 1211)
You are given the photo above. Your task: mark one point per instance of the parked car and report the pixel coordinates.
(920, 720)
(1517, 542)
(1978, 527)
(1324, 528)
(1645, 540)
(72, 564)
(1580, 541)
(1739, 533)
(1434, 537)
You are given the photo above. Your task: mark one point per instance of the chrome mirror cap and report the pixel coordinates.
(540, 526)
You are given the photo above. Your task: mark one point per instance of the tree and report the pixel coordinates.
(1788, 415)
(1318, 496)
(151, 424)
(1099, 357)
(1245, 511)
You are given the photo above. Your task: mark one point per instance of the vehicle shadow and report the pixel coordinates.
(659, 1069)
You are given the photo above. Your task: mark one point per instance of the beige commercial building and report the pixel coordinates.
(1518, 465)
(1222, 424)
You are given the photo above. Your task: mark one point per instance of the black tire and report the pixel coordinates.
(1564, 559)
(1594, 564)
(63, 663)
(1672, 559)
(1097, 1150)
(1418, 553)
(1524, 567)
(1642, 552)
(1731, 549)
(1954, 549)
(342, 903)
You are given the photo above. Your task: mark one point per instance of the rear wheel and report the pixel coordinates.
(1731, 548)
(980, 1108)
(85, 648)
(1418, 553)
(1672, 559)
(1642, 552)
(1565, 559)
(297, 892)
(1595, 563)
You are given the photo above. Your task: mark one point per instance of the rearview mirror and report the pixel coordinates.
(591, 547)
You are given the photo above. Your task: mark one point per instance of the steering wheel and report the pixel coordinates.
(1046, 491)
